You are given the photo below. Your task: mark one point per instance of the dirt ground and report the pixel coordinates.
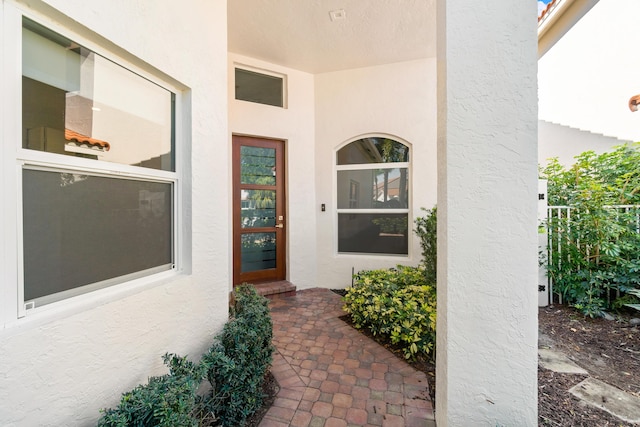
(608, 349)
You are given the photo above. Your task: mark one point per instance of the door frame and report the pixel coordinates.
(280, 271)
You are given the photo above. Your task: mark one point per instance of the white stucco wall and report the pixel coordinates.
(487, 195)
(323, 112)
(565, 143)
(586, 79)
(60, 366)
(295, 125)
(398, 100)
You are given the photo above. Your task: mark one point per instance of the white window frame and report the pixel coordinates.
(14, 158)
(371, 166)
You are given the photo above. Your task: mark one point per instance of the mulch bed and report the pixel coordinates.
(608, 349)
(270, 390)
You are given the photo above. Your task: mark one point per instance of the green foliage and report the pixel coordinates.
(612, 178)
(596, 249)
(239, 359)
(426, 229)
(235, 365)
(169, 400)
(398, 304)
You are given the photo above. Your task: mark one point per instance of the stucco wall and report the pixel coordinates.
(323, 112)
(398, 100)
(295, 125)
(60, 366)
(565, 142)
(487, 241)
(586, 79)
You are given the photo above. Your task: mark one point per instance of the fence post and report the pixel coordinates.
(543, 282)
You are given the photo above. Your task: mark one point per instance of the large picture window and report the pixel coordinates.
(98, 171)
(373, 196)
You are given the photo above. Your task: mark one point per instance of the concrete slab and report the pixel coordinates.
(558, 362)
(611, 399)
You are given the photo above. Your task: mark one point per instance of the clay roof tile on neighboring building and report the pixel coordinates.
(547, 9)
(74, 136)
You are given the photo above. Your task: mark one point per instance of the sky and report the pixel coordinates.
(542, 4)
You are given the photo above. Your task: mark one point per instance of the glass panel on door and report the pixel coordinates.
(258, 208)
(258, 165)
(258, 252)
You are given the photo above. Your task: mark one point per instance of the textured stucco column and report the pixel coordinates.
(487, 255)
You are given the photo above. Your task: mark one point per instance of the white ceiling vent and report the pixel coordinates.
(338, 15)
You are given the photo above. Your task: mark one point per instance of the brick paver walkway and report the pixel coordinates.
(331, 375)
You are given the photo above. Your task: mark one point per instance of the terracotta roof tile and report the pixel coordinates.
(74, 136)
(547, 9)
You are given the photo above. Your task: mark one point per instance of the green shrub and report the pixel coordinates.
(235, 365)
(594, 254)
(239, 359)
(426, 229)
(167, 401)
(398, 304)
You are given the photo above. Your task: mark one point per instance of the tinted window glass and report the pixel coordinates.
(260, 88)
(83, 229)
(373, 150)
(373, 189)
(373, 233)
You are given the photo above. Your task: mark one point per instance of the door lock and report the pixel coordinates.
(279, 225)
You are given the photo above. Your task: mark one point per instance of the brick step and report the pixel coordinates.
(275, 290)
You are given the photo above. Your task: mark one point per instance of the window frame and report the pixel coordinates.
(15, 158)
(354, 211)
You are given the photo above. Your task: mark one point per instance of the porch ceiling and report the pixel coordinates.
(300, 34)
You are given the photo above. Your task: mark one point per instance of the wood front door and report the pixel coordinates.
(259, 226)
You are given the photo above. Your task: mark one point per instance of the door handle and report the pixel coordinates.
(279, 225)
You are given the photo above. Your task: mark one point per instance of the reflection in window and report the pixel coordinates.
(78, 103)
(373, 197)
(258, 165)
(88, 225)
(258, 208)
(373, 188)
(373, 150)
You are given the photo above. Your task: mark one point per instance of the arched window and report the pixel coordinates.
(373, 196)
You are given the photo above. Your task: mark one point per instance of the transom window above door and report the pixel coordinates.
(373, 196)
(261, 88)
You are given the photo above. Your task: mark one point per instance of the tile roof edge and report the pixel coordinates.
(73, 136)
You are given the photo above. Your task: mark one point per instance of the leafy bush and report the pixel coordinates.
(395, 303)
(167, 401)
(595, 252)
(426, 229)
(239, 359)
(235, 365)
